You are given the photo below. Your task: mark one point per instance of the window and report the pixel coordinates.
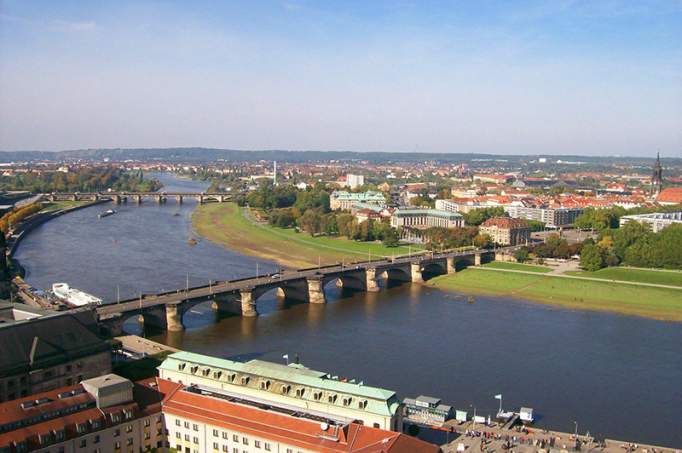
(82, 443)
(177, 422)
(178, 435)
(96, 440)
(187, 425)
(129, 441)
(195, 427)
(376, 425)
(289, 450)
(187, 437)
(117, 445)
(147, 422)
(256, 443)
(225, 449)
(147, 436)
(215, 445)
(117, 432)
(267, 446)
(245, 441)
(215, 433)
(235, 438)
(225, 436)
(129, 428)
(195, 440)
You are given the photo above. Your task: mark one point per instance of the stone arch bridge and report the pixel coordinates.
(166, 310)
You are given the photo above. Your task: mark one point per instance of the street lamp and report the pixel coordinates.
(576, 428)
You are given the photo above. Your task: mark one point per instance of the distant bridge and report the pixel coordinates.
(137, 197)
(166, 310)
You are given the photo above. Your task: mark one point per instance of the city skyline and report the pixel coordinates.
(579, 78)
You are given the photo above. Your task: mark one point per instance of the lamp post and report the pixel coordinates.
(576, 429)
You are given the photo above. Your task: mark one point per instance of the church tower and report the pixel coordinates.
(657, 176)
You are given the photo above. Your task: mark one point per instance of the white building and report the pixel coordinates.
(657, 221)
(354, 181)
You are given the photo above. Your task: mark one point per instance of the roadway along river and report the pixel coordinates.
(618, 376)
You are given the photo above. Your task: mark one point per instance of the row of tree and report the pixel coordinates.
(92, 179)
(634, 245)
(12, 218)
(609, 218)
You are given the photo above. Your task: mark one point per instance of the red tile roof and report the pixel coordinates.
(278, 427)
(670, 195)
(505, 222)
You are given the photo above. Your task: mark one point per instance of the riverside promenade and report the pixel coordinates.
(519, 439)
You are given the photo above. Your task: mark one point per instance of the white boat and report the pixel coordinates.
(106, 213)
(74, 296)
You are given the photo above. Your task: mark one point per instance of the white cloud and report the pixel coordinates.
(74, 26)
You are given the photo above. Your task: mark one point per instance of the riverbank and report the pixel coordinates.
(227, 224)
(637, 300)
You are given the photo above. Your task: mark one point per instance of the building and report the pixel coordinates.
(427, 410)
(344, 201)
(657, 221)
(365, 214)
(354, 181)
(506, 231)
(41, 353)
(670, 196)
(293, 386)
(551, 217)
(203, 419)
(104, 414)
(425, 218)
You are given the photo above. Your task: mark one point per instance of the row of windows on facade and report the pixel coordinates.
(266, 384)
(236, 438)
(48, 374)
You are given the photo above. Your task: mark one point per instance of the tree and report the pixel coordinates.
(391, 238)
(591, 258)
(521, 255)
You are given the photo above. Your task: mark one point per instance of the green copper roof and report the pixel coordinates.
(428, 212)
(294, 374)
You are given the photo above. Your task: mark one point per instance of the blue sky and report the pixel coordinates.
(563, 76)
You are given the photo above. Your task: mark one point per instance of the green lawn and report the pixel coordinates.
(518, 267)
(634, 275)
(657, 303)
(225, 224)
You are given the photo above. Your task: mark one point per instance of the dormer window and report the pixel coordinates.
(362, 404)
(331, 399)
(347, 400)
(205, 371)
(232, 377)
(245, 380)
(317, 396)
(285, 389)
(181, 366)
(194, 369)
(300, 392)
(265, 385)
(217, 374)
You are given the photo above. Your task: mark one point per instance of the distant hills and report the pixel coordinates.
(212, 154)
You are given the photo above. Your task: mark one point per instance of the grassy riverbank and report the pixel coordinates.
(518, 267)
(225, 223)
(657, 277)
(657, 303)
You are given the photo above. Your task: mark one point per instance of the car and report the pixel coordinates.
(275, 276)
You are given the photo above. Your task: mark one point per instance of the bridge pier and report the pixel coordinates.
(248, 303)
(451, 265)
(201, 199)
(372, 285)
(316, 291)
(174, 318)
(138, 199)
(477, 259)
(179, 199)
(74, 197)
(159, 199)
(116, 199)
(416, 272)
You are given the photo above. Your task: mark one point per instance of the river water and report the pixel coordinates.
(617, 376)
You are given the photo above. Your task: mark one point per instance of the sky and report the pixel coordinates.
(594, 77)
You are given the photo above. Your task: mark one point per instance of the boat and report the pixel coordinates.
(106, 213)
(73, 296)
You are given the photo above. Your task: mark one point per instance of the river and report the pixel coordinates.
(617, 376)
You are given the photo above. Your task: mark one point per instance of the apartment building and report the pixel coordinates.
(293, 386)
(506, 231)
(656, 221)
(551, 217)
(100, 415)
